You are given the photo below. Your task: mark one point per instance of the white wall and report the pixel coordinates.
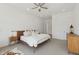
(76, 19)
(60, 24)
(12, 20)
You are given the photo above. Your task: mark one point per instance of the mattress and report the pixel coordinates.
(34, 40)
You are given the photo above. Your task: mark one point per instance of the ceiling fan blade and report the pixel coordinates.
(41, 4)
(34, 7)
(44, 7)
(36, 4)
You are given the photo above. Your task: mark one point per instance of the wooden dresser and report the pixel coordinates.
(73, 43)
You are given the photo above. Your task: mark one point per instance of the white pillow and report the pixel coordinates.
(27, 33)
(34, 33)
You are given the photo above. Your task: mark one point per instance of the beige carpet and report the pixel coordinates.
(51, 47)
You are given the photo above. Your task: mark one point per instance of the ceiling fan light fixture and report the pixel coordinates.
(39, 10)
(39, 6)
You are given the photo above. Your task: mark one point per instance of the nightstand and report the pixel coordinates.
(13, 39)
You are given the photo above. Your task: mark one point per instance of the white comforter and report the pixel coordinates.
(34, 40)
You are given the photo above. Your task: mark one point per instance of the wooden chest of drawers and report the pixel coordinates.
(15, 39)
(73, 43)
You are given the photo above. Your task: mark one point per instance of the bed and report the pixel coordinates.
(33, 38)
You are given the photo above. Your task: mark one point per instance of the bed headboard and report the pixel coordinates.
(30, 30)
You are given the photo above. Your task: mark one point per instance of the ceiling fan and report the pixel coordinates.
(39, 6)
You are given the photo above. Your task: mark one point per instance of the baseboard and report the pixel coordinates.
(58, 39)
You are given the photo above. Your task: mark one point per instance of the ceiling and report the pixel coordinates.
(53, 8)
